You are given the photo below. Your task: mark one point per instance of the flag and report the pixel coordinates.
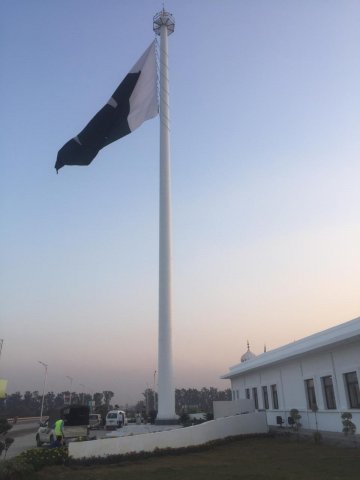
(3, 385)
(133, 102)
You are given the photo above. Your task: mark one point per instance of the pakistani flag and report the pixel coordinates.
(133, 102)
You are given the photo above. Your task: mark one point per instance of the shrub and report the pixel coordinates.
(5, 426)
(16, 469)
(185, 420)
(295, 415)
(317, 437)
(7, 444)
(348, 425)
(41, 457)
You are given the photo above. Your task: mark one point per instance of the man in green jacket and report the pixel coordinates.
(59, 430)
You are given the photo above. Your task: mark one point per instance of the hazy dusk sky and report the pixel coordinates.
(265, 140)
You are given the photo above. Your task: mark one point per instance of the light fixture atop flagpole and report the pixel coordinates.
(164, 25)
(163, 19)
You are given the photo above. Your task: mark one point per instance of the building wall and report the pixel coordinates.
(289, 376)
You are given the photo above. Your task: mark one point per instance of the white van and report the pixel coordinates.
(115, 419)
(94, 420)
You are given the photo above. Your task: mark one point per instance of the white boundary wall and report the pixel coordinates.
(226, 408)
(250, 423)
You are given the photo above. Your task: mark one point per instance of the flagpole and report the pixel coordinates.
(164, 25)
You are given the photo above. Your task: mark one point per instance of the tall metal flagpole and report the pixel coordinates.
(164, 25)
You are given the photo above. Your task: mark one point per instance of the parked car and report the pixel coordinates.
(76, 424)
(115, 419)
(95, 420)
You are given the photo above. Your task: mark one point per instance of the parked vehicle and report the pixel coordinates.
(95, 420)
(76, 424)
(115, 419)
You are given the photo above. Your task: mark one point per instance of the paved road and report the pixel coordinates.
(24, 436)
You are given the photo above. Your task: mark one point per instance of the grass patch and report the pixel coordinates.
(250, 459)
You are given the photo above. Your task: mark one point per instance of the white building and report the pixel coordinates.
(322, 370)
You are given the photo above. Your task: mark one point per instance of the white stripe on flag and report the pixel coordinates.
(144, 99)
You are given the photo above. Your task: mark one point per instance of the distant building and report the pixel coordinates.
(318, 373)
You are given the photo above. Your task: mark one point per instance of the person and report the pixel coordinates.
(59, 430)
(58, 442)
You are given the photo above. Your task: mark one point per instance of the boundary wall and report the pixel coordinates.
(227, 408)
(246, 424)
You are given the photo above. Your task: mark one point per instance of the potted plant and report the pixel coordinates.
(348, 426)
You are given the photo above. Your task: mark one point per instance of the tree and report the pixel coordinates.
(98, 398)
(59, 399)
(108, 395)
(14, 404)
(5, 443)
(192, 400)
(317, 435)
(149, 399)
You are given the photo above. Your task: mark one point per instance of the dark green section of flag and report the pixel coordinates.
(107, 126)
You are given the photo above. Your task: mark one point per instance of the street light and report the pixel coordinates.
(43, 395)
(71, 380)
(155, 390)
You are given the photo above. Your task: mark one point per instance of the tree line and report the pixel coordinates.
(189, 400)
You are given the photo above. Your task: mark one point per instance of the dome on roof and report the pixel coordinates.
(248, 355)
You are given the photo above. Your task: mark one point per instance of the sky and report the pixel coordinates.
(265, 117)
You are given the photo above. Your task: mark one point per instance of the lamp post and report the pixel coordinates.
(147, 401)
(155, 390)
(43, 394)
(71, 380)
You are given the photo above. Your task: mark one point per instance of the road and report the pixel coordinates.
(24, 435)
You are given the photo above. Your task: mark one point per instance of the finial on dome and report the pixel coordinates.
(248, 355)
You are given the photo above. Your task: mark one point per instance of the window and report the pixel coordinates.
(352, 386)
(265, 397)
(237, 394)
(255, 397)
(274, 396)
(247, 393)
(328, 388)
(233, 394)
(310, 393)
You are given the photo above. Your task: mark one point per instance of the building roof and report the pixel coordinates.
(343, 333)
